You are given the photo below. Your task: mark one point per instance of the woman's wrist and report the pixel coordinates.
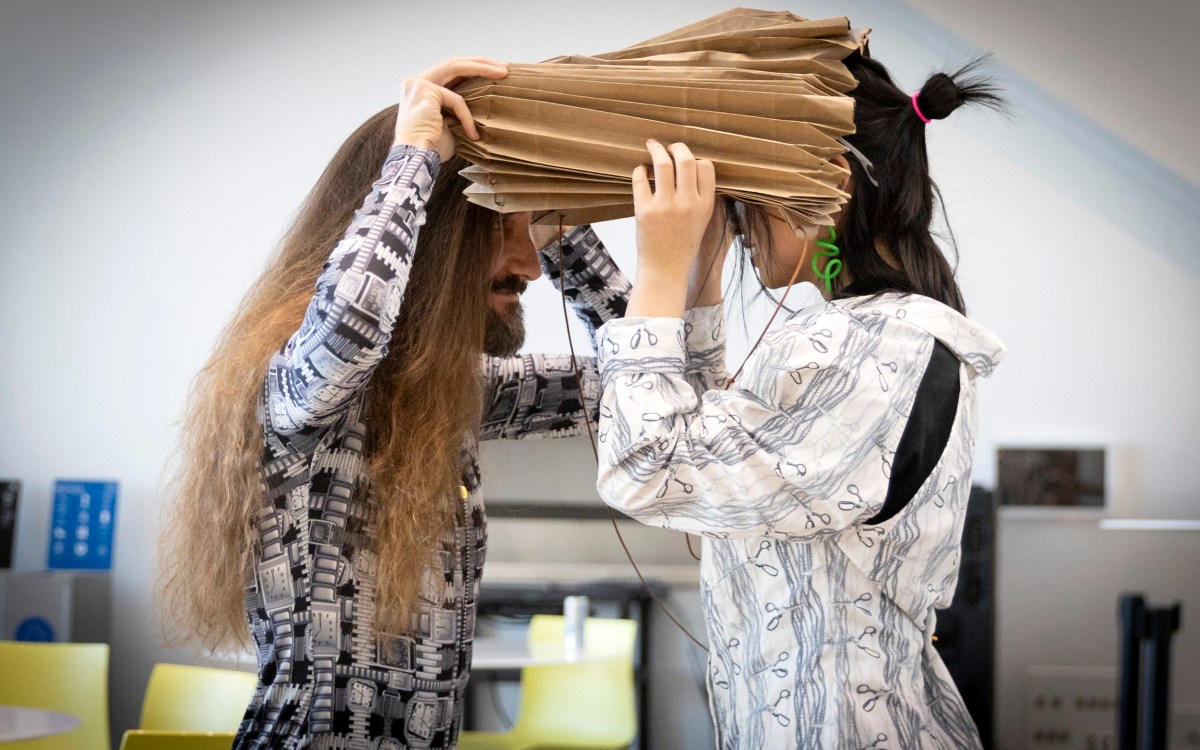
(657, 293)
(707, 296)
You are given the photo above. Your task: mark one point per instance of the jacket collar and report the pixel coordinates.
(972, 343)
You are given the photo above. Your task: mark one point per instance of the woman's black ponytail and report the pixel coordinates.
(897, 211)
(945, 92)
(890, 206)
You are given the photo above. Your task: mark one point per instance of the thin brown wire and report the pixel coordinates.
(587, 422)
(767, 327)
(703, 283)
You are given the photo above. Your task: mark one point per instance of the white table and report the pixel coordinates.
(495, 653)
(491, 653)
(22, 723)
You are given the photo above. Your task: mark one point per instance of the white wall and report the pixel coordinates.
(153, 153)
(1060, 579)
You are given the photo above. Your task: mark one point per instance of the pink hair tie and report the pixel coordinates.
(917, 109)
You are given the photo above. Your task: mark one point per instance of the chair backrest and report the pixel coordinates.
(70, 678)
(589, 703)
(142, 739)
(180, 697)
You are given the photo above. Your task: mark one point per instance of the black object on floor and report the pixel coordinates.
(1145, 681)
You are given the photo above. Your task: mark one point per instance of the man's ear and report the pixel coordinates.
(841, 161)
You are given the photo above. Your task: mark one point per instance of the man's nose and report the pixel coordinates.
(522, 259)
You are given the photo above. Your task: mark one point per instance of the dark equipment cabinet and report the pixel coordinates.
(966, 631)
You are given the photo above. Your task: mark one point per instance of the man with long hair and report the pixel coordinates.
(328, 487)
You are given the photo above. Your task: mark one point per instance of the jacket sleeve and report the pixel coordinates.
(598, 292)
(348, 324)
(541, 395)
(594, 286)
(704, 333)
(538, 395)
(768, 457)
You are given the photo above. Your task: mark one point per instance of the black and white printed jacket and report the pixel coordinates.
(327, 677)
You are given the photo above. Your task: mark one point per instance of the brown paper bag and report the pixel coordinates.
(763, 94)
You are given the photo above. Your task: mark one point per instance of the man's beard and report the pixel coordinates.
(504, 335)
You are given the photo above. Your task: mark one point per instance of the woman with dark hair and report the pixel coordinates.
(829, 478)
(328, 485)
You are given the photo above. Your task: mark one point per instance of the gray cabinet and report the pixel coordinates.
(58, 606)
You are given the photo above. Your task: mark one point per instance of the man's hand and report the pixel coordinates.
(424, 96)
(543, 235)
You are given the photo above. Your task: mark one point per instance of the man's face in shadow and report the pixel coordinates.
(515, 266)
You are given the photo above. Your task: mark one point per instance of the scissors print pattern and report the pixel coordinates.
(818, 623)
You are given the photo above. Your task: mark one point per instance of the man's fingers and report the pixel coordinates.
(486, 61)
(455, 69)
(458, 106)
(664, 168)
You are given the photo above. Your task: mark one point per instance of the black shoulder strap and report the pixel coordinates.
(927, 432)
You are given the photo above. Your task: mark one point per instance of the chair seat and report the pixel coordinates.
(524, 741)
(152, 739)
(489, 741)
(184, 698)
(69, 678)
(584, 705)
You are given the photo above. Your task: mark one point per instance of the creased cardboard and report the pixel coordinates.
(763, 94)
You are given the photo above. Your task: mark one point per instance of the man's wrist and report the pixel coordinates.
(545, 237)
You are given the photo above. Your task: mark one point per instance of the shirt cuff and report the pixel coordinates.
(703, 326)
(401, 155)
(642, 345)
(570, 240)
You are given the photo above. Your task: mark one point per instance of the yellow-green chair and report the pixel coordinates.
(183, 698)
(588, 704)
(70, 678)
(161, 739)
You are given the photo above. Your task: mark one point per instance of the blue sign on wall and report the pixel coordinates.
(81, 530)
(35, 629)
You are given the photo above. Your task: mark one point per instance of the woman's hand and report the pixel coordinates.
(704, 282)
(424, 96)
(671, 221)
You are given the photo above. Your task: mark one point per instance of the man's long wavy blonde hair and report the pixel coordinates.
(421, 402)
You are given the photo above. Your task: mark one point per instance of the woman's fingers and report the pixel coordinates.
(641, 186)
(673, 215)
(685, 167)
(706, 179)
(679, 178)
(664, 168)
(676, 169)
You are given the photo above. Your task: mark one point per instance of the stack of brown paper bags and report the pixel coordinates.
(762, 94)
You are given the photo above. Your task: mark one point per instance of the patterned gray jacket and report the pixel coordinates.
(327, 678)
(819, 596)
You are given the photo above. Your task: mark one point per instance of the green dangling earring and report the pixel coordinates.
(833, 266)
